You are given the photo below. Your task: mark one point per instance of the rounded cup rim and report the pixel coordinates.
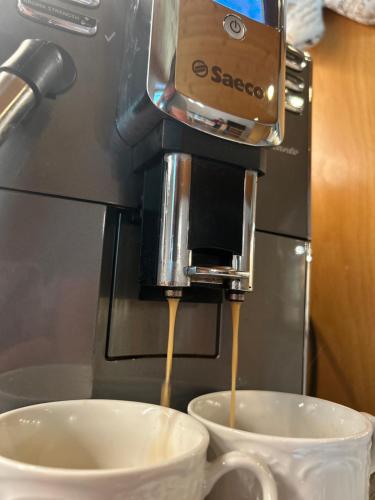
(60, 472)
(362, 435)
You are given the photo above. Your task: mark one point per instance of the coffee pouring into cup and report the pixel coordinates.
(95, 449)
(315, 449)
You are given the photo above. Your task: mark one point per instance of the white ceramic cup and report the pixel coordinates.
(112, 450)
(315, 449)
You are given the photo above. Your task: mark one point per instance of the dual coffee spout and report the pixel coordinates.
(204, 230)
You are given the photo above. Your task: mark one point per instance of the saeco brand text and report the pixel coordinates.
(201, 69)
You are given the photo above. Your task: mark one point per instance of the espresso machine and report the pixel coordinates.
(142, 157)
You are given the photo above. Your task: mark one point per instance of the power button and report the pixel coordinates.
(235, 27)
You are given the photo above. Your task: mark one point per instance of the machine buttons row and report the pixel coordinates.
(294, 102)
(235, 27)
(295, 85)
(295, 59)
(294, 82)
(85, 3)
(58, 17)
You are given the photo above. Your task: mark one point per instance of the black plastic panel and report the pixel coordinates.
(216, 207)
(284, 192)
(173, 137)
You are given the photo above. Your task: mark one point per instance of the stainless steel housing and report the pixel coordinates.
(174, 253)
(17, 99)
(153, 73)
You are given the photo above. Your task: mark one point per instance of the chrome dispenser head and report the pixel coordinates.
(191, 251)
(219, 66)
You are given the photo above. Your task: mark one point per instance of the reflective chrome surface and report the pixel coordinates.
(294, 82)
(244, 263)
(236, 297)
(234, 26)
(17, 99)
(174, 266)
(85, 3)
(213, 273)
(294, 102)
(296, 59)
(173, 293)
(174, 255)
(202, 77)
(306, 347)
(45, 13)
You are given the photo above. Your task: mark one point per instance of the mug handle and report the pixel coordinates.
(372, 420)
(238, 460)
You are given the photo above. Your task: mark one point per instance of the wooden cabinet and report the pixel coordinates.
(343, 213)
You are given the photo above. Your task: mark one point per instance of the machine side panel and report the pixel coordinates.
(50, 266)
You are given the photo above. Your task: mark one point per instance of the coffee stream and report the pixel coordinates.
(165, 398)
(236, 310)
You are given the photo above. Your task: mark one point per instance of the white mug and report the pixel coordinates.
(113, 450)
(315, 449)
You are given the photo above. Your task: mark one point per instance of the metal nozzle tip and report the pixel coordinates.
(173, 293)
(236, 297)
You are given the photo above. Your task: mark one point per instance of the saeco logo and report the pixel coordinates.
(201, 69)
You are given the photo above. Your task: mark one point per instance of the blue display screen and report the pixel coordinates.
(253, 9)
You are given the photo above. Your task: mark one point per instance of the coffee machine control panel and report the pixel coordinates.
(219, 65)
(54, 15)
(85, 3)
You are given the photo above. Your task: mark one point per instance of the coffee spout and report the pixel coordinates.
(232, 296)
(173, 293)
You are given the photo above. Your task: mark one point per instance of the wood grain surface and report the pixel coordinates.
(343, 187)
